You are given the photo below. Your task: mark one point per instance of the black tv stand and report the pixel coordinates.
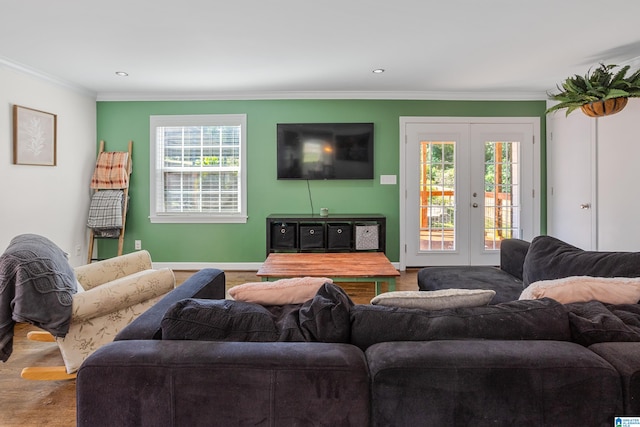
(333, 233)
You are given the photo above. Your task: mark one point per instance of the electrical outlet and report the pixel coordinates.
(78, 250)
(138, 245)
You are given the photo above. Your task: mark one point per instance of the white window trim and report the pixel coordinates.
(197, 120)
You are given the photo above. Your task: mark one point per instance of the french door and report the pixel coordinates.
(468, 184)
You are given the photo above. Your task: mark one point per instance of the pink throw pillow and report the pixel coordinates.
(611, 290)
(284, 291)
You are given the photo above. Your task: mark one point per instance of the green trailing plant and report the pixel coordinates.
(601, 84)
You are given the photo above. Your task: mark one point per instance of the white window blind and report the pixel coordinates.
(198, 168)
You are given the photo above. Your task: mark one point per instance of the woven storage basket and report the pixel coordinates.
(604, 108)
(367, 237)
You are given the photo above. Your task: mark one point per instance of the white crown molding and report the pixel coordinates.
(275, 95)
(24, 69)
(386, 95)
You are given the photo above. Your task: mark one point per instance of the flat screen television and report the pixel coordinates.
(325, 151)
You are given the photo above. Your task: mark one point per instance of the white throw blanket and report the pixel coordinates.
(105, 211)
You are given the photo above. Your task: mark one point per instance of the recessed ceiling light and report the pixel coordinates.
(122, 73)
(378, 71)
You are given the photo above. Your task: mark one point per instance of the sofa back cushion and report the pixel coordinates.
(549, 258)
(594, 322)
(324, 318)
(543, 319)
(218, 320)
(512, 255)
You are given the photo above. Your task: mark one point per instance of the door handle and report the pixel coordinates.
(475, 205)
(585, 206)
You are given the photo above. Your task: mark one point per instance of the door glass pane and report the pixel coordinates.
(502, 193)
(437, 196)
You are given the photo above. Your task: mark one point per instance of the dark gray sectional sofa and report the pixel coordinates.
(208, 362)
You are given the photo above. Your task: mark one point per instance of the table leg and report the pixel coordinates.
(392, 284)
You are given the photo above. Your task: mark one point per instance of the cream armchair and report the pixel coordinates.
(114, 293)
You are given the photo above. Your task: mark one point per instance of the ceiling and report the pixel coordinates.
(196, 49)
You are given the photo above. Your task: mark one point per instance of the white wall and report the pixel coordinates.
(571, 179)
(46, 200)
(619, 179)
(609, 150)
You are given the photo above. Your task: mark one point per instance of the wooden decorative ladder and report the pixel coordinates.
(125, 205)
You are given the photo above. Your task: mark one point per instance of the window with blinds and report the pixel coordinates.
(198, 168)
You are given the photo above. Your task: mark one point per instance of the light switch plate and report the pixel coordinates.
(388, 179)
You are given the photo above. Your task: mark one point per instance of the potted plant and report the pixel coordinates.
(599, 93)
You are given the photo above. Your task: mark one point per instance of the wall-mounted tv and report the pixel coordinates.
(325, 151)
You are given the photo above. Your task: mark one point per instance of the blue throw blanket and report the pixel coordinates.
(36, 286)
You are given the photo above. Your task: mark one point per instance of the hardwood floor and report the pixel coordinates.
(27, 403)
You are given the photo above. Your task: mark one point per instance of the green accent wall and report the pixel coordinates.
(121, 121)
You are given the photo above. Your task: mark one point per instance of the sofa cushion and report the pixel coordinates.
(624, 357)
(612, 290)
(208, 283)
(324, 318)
(218, 320)
(295, 290)
(507, 287)
(435, 300)
(594, 322)
(543, 319)
(512, 255)
(169, 383)
(491, 383)
(550, 258)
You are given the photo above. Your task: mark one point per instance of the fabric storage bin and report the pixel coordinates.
(283, 235)
(311, 236)
(339, 235)
(367, 236)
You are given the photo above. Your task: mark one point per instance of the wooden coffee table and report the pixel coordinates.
(340, 267)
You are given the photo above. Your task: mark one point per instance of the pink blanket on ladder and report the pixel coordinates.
(111, 171)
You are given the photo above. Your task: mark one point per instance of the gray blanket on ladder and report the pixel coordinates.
(37, 285)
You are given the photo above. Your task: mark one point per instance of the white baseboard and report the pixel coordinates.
(225, 266)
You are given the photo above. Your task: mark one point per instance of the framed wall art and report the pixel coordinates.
(34, 137)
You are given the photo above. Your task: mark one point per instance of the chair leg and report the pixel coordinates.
(46, 373)
(42, 336)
